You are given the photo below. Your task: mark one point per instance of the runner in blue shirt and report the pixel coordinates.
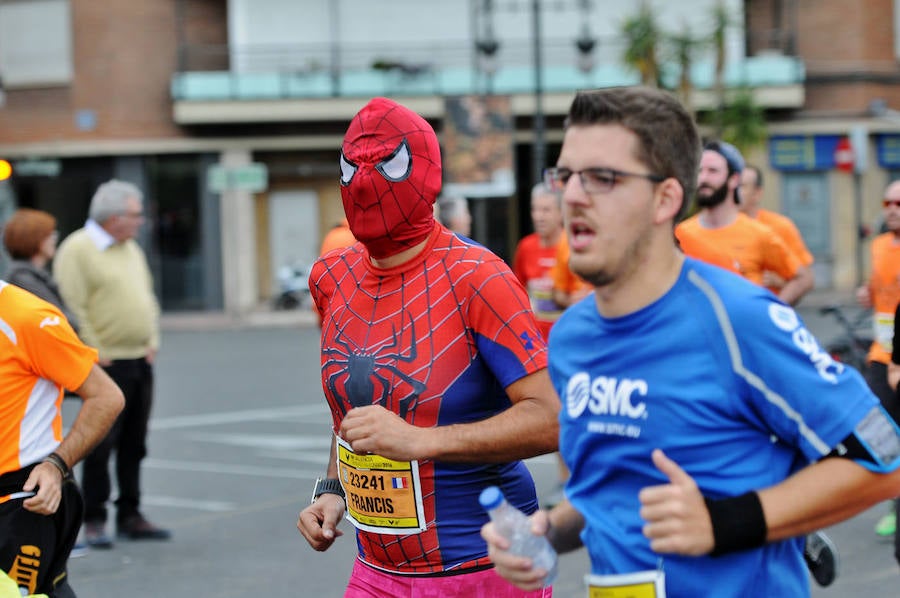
(705, 428)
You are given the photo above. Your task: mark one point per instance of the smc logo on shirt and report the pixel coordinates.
(605, 396)
(786, 319)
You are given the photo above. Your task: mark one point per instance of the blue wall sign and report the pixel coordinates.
(887, 148)
(803, 153)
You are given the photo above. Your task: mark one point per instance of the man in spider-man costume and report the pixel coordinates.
(434, 371)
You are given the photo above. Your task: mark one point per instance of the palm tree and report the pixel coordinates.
(743, 122)
(721, 22)
(642, 37)
(682, 47)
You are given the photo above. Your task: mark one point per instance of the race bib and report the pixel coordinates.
(884, 330)
(383, 496)
(643, 584)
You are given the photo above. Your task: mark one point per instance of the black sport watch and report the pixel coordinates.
(327, 486)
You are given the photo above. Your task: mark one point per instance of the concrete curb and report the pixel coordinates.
(217, 320)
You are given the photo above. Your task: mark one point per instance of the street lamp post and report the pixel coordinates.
(540, 145)
(486, 46)
(334, 57)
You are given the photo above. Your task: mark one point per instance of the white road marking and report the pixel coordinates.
(277, 442)
(300, 412)
(221, 468)
(319, 457)
(213, 506)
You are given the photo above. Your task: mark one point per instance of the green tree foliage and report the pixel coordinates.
(743, 121)
(642, 39)
(721, 22)
(652, 52)
(681, 48)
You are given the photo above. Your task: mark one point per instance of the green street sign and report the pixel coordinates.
(251, 177)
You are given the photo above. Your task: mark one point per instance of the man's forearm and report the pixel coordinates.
(823, 494)
(794, 289)
(102, 402)
(526, 429)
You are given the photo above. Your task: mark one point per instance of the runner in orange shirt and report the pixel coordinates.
(784, 227)
(882, 292)
(535, 257)
(756, 247)
(694, 245)
(882, 295)
(40, 504)
(534, 264)
(337, 238)
(567, 287)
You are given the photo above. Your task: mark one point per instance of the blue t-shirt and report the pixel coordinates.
(729, 383)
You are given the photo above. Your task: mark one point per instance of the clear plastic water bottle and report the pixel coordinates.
(514, 525)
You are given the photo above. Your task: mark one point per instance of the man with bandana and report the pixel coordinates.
(756, 247)
(434, 370)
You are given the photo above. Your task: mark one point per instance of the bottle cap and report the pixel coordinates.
(490, 497)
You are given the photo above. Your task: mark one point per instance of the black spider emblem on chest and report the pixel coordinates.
(365, 368)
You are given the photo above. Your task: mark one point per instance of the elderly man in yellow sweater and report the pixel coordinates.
(105, 280)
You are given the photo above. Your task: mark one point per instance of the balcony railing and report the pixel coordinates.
(295, 72)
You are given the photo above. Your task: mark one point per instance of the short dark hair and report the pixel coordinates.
(759, 175)
(669, 143)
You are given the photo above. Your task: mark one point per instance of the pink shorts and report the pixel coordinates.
(366, 582)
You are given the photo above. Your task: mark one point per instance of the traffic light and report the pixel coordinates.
(5, 170)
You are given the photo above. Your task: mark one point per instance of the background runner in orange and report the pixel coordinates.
(751, 196)
(694, 245)
(755, 246)
(40, 505)
(567, 287)
(535, 257)
(534, 264)
(882, 295)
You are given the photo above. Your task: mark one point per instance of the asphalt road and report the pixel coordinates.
(239, 433)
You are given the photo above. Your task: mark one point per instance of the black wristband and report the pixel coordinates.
(327, 486)
(59, 463)
(738, 523)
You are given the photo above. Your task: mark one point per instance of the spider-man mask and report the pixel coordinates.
(390, 177)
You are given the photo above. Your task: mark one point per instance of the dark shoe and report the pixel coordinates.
(138, 528)
(95, 536)
(822, 558)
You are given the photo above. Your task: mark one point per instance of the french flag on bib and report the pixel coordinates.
(400, 482)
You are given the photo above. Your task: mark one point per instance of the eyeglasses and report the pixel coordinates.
(891, 202)
(593, 180)
(133, 214)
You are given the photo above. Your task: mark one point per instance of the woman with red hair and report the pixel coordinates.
(30, 238)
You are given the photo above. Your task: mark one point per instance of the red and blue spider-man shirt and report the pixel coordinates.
(436, 340)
